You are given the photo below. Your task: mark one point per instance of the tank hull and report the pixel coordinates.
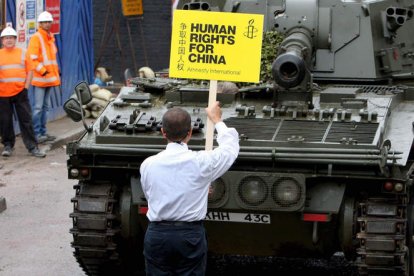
(321, 169)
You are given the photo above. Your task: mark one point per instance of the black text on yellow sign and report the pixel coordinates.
(216, 45)
(132, 7)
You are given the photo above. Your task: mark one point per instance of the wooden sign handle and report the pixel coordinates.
(212, 97)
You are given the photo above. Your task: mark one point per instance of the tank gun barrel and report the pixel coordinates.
(290, 70)
(290, 67)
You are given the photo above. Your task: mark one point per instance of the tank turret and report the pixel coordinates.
(353, 40)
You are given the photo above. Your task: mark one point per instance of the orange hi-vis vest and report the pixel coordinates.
(12, 71)
(42, 52)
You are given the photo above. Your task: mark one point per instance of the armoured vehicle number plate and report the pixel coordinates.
(238, 217)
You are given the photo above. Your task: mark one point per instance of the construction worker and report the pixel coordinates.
(15, 76)
(42, 52)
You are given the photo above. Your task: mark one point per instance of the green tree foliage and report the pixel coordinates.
(270, 46)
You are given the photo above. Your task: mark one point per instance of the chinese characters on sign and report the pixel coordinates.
(181, 47)
(216, 45)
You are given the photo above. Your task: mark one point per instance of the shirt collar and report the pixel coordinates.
(177, 147)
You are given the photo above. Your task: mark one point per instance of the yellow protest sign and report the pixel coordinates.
(216, 46)
(132, 7)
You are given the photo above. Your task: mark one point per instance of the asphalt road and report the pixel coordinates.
(34, 229)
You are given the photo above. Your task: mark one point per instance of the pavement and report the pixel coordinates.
(65, 131)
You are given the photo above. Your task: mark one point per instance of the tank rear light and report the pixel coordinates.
(74, 172)
(84, 172)
(142, 210)
(217, 191)
(253, 190)
(262, 191)
(286, 191)
(316, 217)
(388, 186)
(398, 187)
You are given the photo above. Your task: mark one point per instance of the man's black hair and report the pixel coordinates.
(176, 123)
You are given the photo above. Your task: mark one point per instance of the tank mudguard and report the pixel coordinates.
(138, 197)
(324, 198)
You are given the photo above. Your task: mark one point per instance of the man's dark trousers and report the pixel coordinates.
(24, 115)
(175, 248)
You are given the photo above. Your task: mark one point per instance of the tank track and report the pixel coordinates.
(382, 237)
(94, 228)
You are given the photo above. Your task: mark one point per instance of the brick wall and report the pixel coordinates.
(150, 35)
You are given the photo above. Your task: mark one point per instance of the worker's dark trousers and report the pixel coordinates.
(24, 115)
(175, 248)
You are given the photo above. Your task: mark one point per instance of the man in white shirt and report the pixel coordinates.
(176, 183)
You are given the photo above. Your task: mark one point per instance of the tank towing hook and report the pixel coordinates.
(315, 237)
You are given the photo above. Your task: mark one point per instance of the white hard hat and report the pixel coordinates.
(45, 17)
(8, 31)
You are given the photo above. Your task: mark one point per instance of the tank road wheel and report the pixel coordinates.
(131, 237)
(97, 240)
(348, 228)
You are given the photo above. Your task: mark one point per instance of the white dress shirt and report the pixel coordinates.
(176, 181)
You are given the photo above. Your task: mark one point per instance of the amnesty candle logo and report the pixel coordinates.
(251, 30)
(216, 45)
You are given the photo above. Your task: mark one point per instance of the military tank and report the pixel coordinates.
(325, 163)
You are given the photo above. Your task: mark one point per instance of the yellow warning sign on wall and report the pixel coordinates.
(132, 7)
(216, 46)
